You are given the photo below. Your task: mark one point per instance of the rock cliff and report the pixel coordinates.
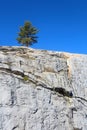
(42, 90)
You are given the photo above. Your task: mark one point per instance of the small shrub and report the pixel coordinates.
(25, 78)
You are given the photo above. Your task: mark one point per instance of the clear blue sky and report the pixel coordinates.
(62, 23)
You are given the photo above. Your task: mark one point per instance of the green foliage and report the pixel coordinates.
(27, 35)
(25, 78)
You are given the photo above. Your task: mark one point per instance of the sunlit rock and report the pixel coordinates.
(42, 90)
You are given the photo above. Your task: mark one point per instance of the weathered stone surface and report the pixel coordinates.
(28, 98)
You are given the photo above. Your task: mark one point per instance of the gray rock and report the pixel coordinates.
(42, 90)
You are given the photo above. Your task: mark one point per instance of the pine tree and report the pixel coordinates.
(27, 35)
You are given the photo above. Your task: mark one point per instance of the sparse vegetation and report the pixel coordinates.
(25, 78)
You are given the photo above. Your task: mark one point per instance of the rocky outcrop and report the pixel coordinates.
(42, 90)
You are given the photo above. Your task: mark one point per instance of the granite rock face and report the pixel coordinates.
(42, 90)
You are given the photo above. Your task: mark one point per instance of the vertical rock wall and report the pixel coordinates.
(42, 90)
